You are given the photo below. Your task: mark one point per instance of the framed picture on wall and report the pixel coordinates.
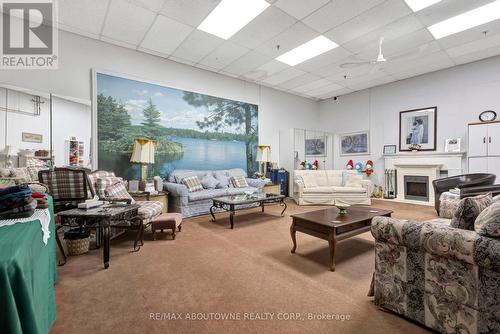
(390, 149)
(452, 145)
(418, 128)
(357, 143)
(315, 147)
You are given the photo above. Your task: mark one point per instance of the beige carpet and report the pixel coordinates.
(210, 268)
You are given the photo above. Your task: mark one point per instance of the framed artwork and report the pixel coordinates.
(315, 146)
(418, 127)
(452, 145)
(355, 143)
(390, 149)
(32, 137)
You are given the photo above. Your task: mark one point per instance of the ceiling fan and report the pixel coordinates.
(380, 58)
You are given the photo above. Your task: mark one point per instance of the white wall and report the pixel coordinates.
(460, 93)
(78, 55)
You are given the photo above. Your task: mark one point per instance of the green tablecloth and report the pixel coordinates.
(27, 276)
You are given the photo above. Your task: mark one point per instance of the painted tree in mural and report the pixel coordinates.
(223, 113)
(151, 123)
(112, 117)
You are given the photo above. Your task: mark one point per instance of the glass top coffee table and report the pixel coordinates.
(233, 203)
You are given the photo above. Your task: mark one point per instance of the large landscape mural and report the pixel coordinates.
(191, 130)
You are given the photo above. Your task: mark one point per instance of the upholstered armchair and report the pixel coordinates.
(469, 185)
(443, 277)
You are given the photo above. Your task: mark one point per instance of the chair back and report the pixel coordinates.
(67, 186)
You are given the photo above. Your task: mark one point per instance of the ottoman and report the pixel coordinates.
(167, 221)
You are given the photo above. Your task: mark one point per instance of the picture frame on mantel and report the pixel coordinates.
(390, 149)
(418, 127)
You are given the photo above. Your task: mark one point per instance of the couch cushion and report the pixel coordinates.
(149, 209)
(334, 177)
(236, 172)
(352, 180)
(488, 221)
(318, 190)
(468, 210)
(209, 182)
(206, 194)
(309, 181)
(118, 191)
(223, 179)
(192, 183)
(351, 190)
(239, 191)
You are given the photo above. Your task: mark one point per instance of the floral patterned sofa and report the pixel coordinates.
(443, 277)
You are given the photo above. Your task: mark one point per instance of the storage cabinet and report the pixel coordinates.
(484, 148)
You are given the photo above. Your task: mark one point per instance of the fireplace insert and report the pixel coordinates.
(416, 188)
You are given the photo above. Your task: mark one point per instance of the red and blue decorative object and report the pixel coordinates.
(315, 165)
(369, 168)
(359, 167)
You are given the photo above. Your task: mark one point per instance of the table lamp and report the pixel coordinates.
(263, 156)
(143, 153)
(9, 151)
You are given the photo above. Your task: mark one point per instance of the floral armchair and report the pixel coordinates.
(445, 278)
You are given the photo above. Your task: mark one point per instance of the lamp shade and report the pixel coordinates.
(263, 153)
(144, 151)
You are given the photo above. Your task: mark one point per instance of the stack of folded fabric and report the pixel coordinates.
(17, 202)
(41, 200)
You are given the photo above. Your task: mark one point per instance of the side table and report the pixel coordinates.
(272, 188)
(161, 197)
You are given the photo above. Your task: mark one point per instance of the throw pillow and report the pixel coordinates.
(117, 191)
(488, 221)
(353, 180)
(239, 181)
(209, 182)
(223, 181)
(309, 181)
(496, 199)
(192, 183)
(468, 210)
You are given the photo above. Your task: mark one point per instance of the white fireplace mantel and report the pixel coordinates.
(450, 163)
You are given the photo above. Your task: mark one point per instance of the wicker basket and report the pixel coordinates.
(77, 241)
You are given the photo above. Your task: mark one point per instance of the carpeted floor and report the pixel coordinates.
(245, 272)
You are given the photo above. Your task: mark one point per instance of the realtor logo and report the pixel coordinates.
(29, 34)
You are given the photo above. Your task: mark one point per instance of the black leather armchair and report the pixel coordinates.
(469, 185)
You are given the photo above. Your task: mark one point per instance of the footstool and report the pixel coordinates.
(167, 221)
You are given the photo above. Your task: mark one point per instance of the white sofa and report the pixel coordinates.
(328, 187)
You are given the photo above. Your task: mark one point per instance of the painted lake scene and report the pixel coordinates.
(191, 130)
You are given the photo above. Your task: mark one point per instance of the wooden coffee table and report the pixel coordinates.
(329, 225)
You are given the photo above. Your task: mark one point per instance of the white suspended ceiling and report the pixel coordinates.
(167, 28)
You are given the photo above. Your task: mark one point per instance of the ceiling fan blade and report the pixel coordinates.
(354, 65)
(420, 49)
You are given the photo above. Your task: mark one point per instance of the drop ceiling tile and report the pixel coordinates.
(182, 61)
(334, 93)
(428, 63)
(448, 8)
(154, 5)
(311, 86)
(299, 81)
(289, 39)
(283, 76)
(475, 46)
(84, 15)
(77, 31)
(300, 8)
(191, 12)
(324, 59)
(470, 35)
(370, 84)
(127, 22)
(157, 40)
(248, 62)
(119, 43)
(197, 45)
(337, 12)
(328, 89)
(224, 55)
(268, 24)
(392, 31)
(368, 21)
(477, 55)
(426, 54)
(266, 70)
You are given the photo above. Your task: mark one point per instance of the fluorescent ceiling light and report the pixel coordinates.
(417, 5)
(308, 50)
(467, 20)
(231, 15)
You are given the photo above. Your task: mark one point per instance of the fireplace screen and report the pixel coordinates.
(417, 188)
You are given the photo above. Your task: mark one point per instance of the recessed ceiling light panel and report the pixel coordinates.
(231, 15)
(308, 50)
(467, 20)
(417, 5)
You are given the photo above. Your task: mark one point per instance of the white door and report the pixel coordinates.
(478, 135)
(494, 139)
(494, 166)
(478, 165)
